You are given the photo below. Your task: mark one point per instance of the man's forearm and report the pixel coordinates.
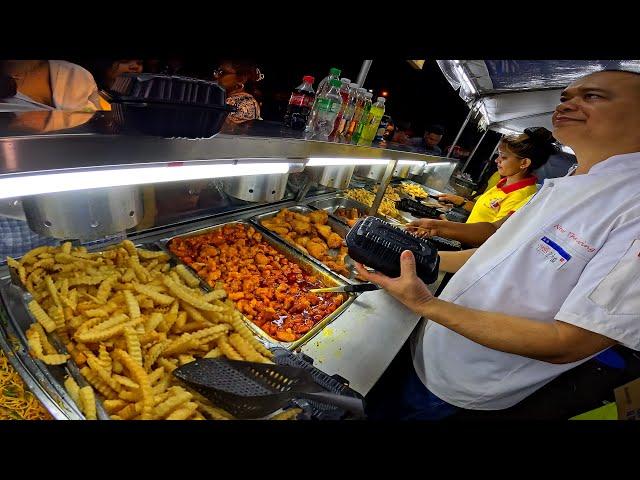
(543, 341)
(451, 262)
(474, 234)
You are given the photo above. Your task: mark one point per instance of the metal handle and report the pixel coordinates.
(350, 404)
(363, 287)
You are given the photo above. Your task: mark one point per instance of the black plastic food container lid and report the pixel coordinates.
(378, 245)
(168, 105)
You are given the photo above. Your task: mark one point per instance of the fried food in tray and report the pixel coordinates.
(310, 233)
(268, 288)
(128, 319)
(387, 207)
(349, 215)
(412, 189)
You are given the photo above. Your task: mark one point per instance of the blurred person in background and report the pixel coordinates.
(106, 71)
(428, 143)
(48, 85)
(238, 78)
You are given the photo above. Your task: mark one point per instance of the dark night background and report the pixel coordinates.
(421, 97)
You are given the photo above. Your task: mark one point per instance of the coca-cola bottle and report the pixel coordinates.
(300, 104)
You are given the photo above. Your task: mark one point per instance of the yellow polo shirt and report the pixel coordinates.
(493, 180)
(500, 201)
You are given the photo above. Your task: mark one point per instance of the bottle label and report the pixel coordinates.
(327, 105)
(296, 99)
(300, 99)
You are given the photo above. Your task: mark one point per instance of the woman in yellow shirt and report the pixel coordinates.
(518, 156)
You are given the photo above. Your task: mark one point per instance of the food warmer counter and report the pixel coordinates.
(356, 342)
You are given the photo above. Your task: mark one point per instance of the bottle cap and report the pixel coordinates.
(368, 94)
(361, 90)
(335, 82)
(353, 85)
(335, 71)
(345, 80)
(308, 79)
(381, 99)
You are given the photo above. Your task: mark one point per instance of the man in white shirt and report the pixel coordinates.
(559, 281)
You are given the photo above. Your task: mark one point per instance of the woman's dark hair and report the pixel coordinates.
(536, 144)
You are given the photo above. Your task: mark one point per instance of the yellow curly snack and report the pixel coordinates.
(154, 295)
(133, 345)
(72, 387)
(88, 403)
(187, 276)
(246, 349)
(41, 316)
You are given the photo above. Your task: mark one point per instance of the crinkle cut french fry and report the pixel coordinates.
(66, 248)
(133, 344)
(227, 350)
(214, 295)
(93, 378)
(187, 276)
(239, 326)
(139, 375)
(180, 397)
(35, 345)
(88, 403)
(245, 349)
(132, 304)
(148, 254)
(184, 412)
(55, 359)
(185, 295)
(73, 389)
(41, 316)
(22, 272)
(157, 297)
(112, 406)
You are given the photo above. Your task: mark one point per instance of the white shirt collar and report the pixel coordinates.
(625, 161)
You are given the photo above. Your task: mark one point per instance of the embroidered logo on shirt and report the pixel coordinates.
(552, 252)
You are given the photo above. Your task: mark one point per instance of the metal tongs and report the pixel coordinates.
(254, 390)
(361, 287)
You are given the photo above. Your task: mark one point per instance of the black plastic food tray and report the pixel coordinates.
(444, 244)
(167, 89)
(378, 245)
(334, 384)
(417, 209)
(168, 106)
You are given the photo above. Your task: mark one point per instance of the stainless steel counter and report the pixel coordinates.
(358, 345)
(29, 143)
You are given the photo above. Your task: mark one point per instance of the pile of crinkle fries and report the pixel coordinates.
(128, 319)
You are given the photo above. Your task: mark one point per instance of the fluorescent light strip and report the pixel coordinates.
(322, 162)
(19, 186)
(429, 164)
(410, 162)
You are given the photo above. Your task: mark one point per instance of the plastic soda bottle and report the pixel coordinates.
(363, 117)
(327, 108)
(323, 86)
(370, 125)
(300, 104)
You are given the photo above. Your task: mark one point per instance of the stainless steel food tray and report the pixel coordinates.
(45, 381)
(336, 225)
(333, 204)
(327, 277)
